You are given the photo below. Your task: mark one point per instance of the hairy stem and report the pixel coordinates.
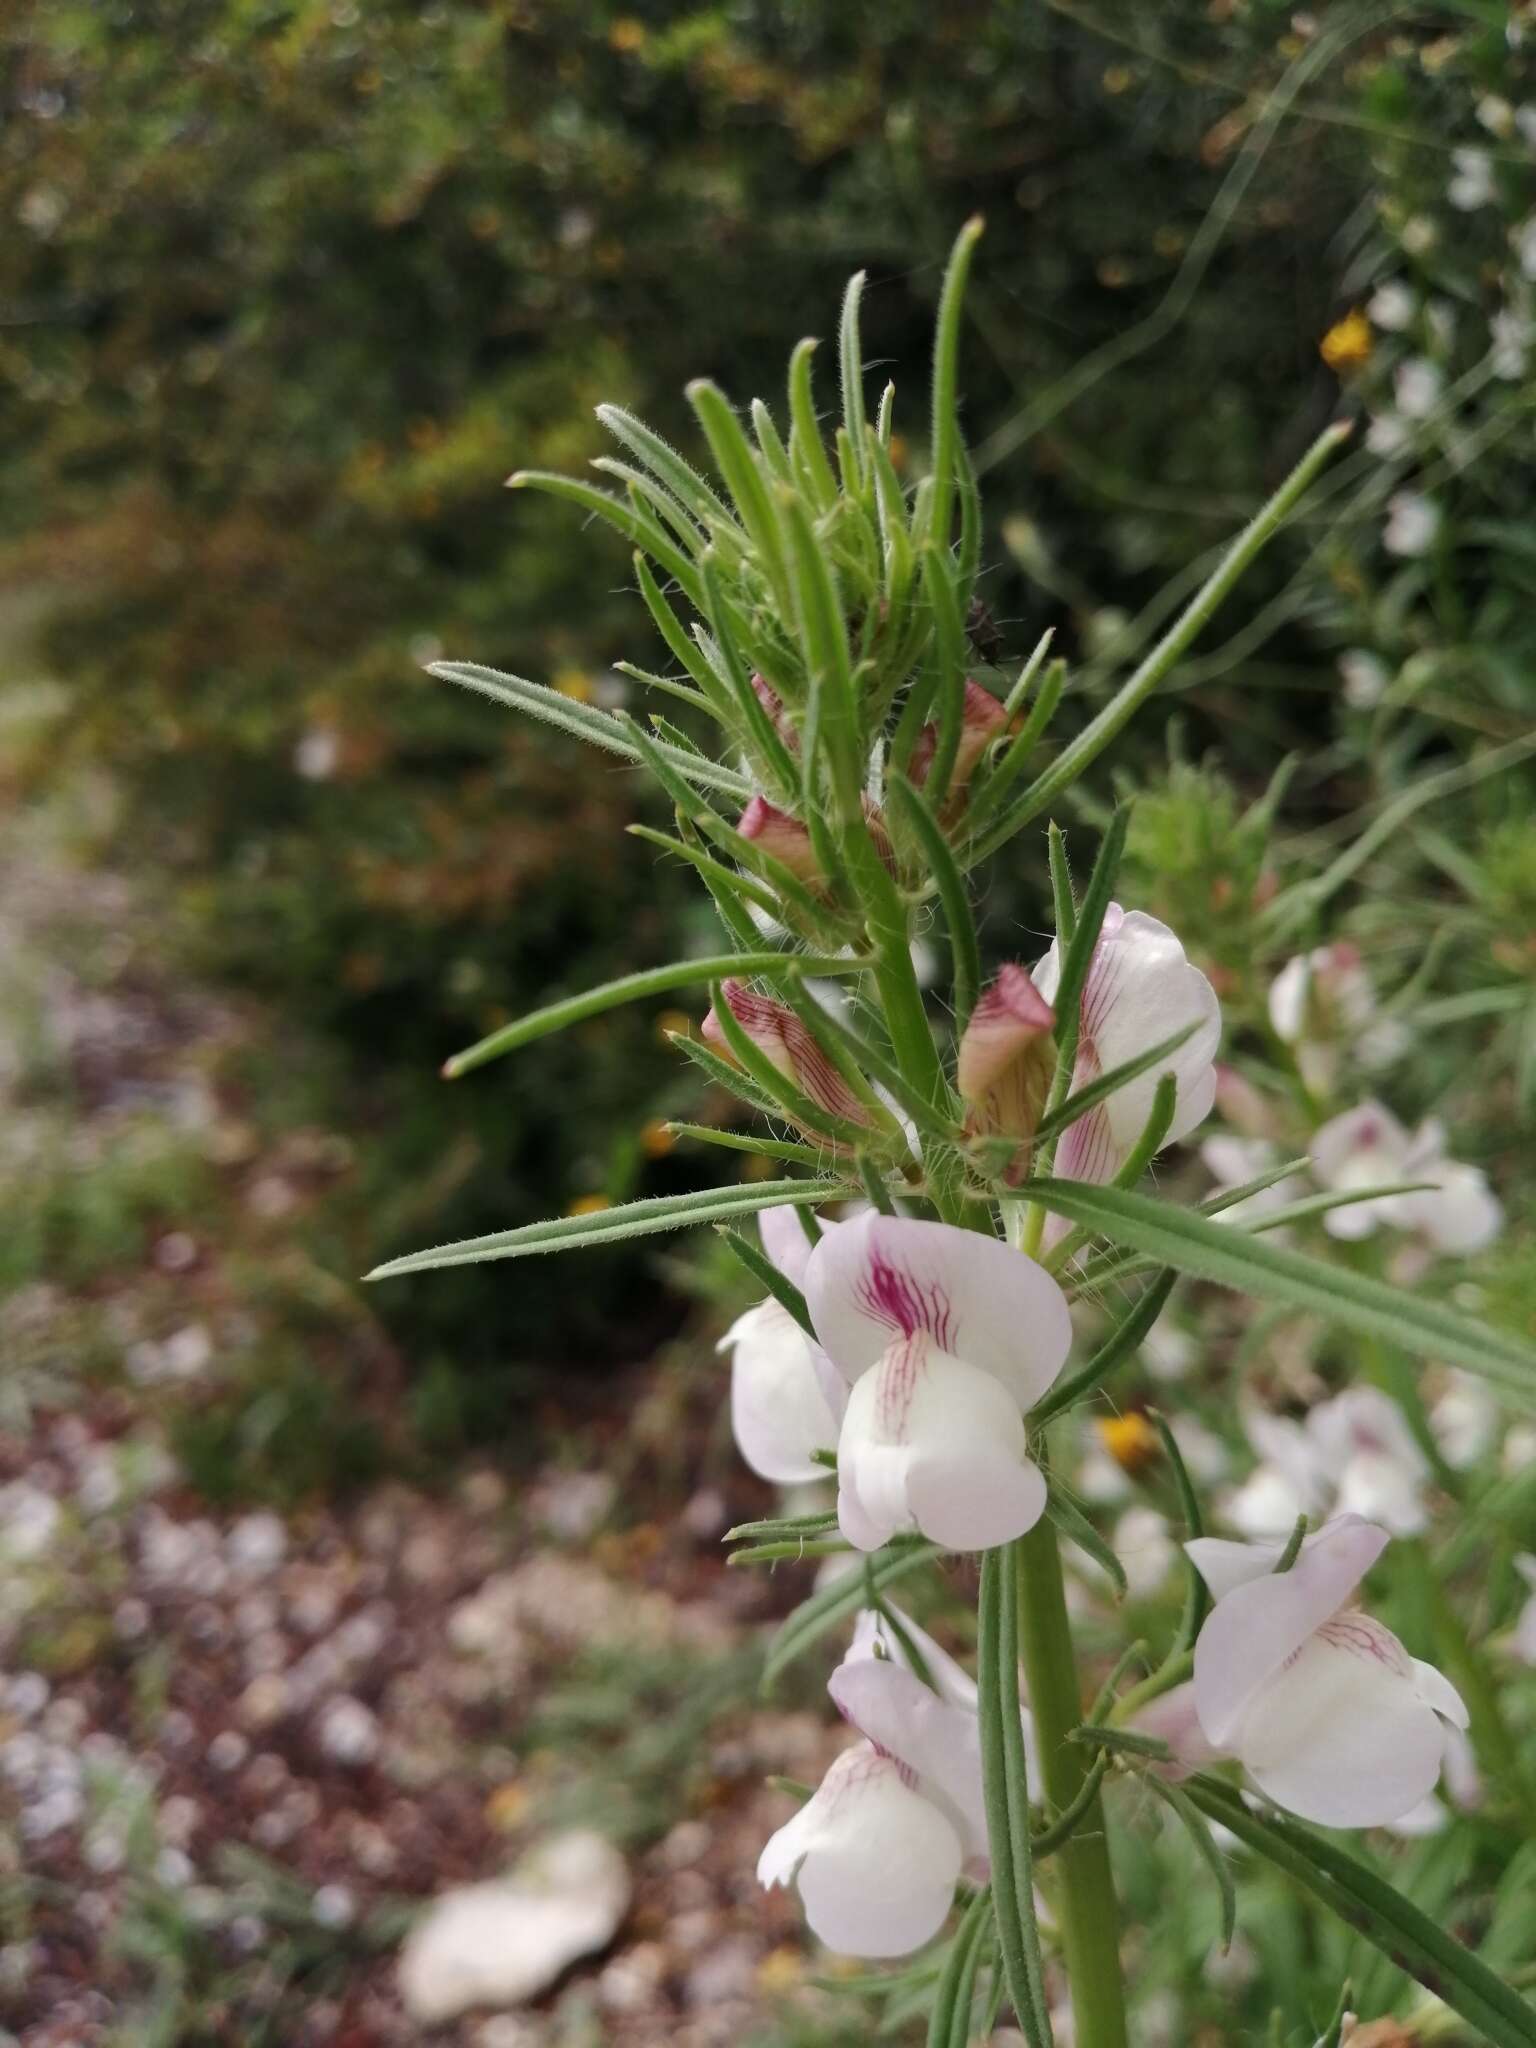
(1086, 1906)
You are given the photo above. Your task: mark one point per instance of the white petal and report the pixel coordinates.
(785, 1241)
(779, 1409)
(1459, 1214)
(1340, 1735)
(930, 1443)
(876, 1864)
(1370, 1134)
(1173, 1719)
(939, 1743)
(1256, 1627)
(1265, 1506)
(873, 1636)
(1141, 988)
(885, 1277)
(1437, 1691)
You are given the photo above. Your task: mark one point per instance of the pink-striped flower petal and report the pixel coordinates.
(1006, 1057)
(782, 836)
(931, 1443)
(1140, 989)
(875, 1863)
(1256, 1627)
(880, 1279)
(783, 1038)
(982, 719)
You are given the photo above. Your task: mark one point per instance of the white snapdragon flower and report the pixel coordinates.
(1464, 1418)
(786, 1399)
(1233, 1162)
(899, 1818)
(1323, 1707)
(945, 1338)
(1368, 1147)
(1140, 988)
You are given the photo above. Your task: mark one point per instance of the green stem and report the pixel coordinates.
(1086, 1905)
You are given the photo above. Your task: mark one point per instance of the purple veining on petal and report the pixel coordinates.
(895, 1296)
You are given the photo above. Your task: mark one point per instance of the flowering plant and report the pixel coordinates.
(961, 1178)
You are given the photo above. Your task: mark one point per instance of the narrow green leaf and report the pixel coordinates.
(964, 949)
(767, 1274)
(850, 357)
(1075, 758)
(813, 1618)
(815, 472)
(946, 379)
(738, 463)
(1365, 1901)
(607, 1226)
(639, 530)
(1072, 1523)
(716, 875)
(1013, 762)
(1094, 1092)
(1179, 1803)
(745, 1141)
(585, 721)
(1122, 1343)
(1249, 1265)
(679, 476)
(630, 988)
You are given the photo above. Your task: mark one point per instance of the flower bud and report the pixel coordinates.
(784, 1040)
(773, 704)
(982, 718)
(1006, 1059)
(783, 836)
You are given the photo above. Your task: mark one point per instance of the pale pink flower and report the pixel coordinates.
(1140, 989)
(786, 1399)
(1367, 1147)
(945, 1338)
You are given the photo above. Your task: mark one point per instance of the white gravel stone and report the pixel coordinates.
(502, 1943)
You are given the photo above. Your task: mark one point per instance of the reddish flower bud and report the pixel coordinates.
(1006, 1059)
(777, 833)
(785, 1040)
(773, 704)
(982, 718)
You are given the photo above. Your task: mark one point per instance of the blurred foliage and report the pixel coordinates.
(291, 287)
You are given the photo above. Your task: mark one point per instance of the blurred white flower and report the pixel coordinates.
(1388, 435)
(1417, 385)
(1511, 334)
(1524, 243)
(1392, 306)
(1145, 1549)
(318, 754)
(1413, 524)
(1419, 235)
(1167, 1351)
(1471, 183)
(1352, 1454)
(1367, 1147)
(1323, 1004)
(1496, 115)
(1233, 1162)
(1465, 1421)
(1366, 677)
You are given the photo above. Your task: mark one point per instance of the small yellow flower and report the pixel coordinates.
(574, 683)
(1118, 78)
(674, 1023)
(656, 1139)
(1130, 1440)
(626, 35)
(588, 1205)
(1347, 344)
(507, 1805)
